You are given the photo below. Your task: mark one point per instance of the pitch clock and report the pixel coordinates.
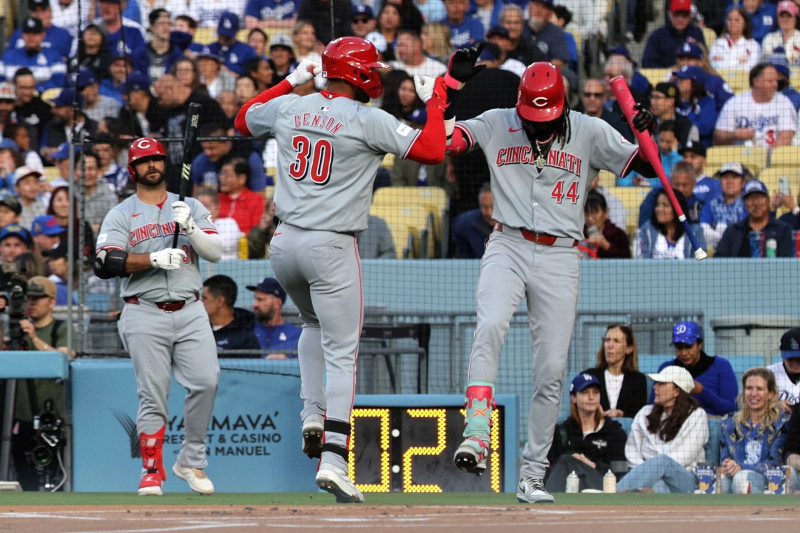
(406, 443)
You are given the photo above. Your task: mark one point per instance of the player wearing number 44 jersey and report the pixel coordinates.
(542, 158)
(163, 326)
(330, 146)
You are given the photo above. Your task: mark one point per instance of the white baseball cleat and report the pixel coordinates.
(196, 478)
(333, 479)
(531, 490)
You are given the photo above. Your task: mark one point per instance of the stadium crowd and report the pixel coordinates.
(718, 81)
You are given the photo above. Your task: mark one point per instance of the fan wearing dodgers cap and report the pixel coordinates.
(778, 60)
(714, 384)
(47, 65)
(735, 242)
(57, 35)
(236, 54)
(134, 43)
(272, 331)
(692, 54)
(667, 438)
(587, 442)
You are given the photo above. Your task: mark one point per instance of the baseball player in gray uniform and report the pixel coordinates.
(163, 326)
(330, 146)
(542, 158)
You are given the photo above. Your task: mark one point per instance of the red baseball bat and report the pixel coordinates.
(649, 150)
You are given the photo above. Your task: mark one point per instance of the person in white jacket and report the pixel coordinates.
(667, 438)
(736, 49)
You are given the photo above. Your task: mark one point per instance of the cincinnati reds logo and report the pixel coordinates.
(143, 143)
(540, 101)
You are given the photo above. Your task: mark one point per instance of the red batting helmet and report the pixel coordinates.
(541, 93)
(141, 149)
(353, 59)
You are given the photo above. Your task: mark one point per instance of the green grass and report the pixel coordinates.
(10, 499)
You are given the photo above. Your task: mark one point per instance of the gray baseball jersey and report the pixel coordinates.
(136, 227)
(549, 200)
(335, 143)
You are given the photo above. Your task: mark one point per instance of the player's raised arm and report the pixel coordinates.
(304, 72)
(460, 69)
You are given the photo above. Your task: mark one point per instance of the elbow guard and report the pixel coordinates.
(110, 264)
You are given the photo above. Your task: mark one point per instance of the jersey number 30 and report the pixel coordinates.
(558, 192)
(311, 157)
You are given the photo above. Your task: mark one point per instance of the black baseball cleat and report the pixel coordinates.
(312, 439)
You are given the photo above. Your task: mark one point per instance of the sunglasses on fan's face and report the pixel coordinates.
(360, 20)
(592, 95)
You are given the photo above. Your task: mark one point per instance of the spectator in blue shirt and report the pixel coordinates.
(692, 54)
(270, 13)
(763, 17)
(464, 30)
(715, 386)
(735, 242)
(47, 65)
(546, 36)
(56, 38)
(728, 208)
(706, 187)
(124, 35)
(664, 42)
(272, 332)
(695, 102)
(472, 228)
(235, 52)
(206, 166)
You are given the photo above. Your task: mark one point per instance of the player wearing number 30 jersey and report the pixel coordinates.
(329, 149)
(542, 158)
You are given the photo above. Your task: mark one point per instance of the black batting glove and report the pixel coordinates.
(462, 66)
(644, 119)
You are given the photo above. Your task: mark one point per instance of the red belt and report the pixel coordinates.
(168, 307)
(538, 238)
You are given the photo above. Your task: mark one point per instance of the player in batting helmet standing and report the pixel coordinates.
(163, 326)
(542, 158)
(330, 146)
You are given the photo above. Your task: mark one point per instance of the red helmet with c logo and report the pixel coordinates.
(353, 60)
(541, 93)
(141, 149)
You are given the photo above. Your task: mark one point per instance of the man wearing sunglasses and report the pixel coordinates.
(362, 20)
(592, 98)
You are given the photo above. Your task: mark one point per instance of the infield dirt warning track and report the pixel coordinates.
(463, 519)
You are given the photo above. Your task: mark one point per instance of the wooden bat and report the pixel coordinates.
(189, 137)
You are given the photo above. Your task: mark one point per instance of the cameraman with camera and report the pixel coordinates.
(39, 405)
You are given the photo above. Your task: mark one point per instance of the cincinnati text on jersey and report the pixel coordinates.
(149, 231)
(322, 122)
(524, 155)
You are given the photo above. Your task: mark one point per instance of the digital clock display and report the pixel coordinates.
(406, 443)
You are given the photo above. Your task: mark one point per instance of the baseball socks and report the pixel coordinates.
(471, 454)
(153, 475)
(332, 473)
